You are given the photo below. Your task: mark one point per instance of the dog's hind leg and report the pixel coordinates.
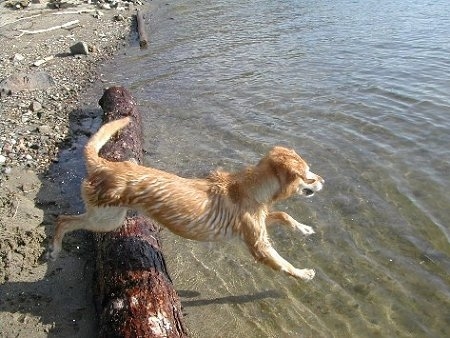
(264, 252)
(95, 219)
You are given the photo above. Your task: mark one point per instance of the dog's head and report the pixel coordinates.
(292, 172)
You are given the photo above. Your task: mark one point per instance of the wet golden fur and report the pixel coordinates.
(222, 205)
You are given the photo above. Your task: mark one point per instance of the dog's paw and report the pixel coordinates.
(305, 229)
(305, 274)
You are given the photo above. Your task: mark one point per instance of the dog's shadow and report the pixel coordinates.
(62, 300)
(237, 299)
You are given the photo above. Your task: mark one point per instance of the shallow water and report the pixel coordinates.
(361, 90)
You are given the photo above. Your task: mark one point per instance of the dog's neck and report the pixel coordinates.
(254, 183)
(260, 186)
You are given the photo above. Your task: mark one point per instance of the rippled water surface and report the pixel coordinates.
(361, 90)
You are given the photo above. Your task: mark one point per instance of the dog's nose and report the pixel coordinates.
(319, 179)
(319, 183)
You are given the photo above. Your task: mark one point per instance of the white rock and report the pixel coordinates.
(35, 106)
(18, 57)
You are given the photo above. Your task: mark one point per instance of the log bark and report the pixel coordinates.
(134, 292)
(143, 39)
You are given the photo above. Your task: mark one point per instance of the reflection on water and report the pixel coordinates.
(360, 90)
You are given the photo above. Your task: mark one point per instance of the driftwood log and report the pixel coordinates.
(134, 292)
(143, 39)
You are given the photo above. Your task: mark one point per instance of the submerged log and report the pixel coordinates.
(143, 39)
(134, 292)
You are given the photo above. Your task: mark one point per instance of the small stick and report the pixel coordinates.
(16, 208)
(20, 19)
(66, 25)
(81, 11)
(143, 40)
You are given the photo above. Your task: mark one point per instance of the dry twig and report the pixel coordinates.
(65, 25)
(21, 19)
(81, 11)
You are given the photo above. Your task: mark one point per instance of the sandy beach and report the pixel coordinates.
(50, 58)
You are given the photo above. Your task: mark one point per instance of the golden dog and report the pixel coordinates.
(222, 205)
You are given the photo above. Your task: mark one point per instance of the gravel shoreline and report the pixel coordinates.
(33, 122)
(42, 85)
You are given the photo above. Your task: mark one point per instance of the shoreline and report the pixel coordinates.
(30, 118)
(41, 133)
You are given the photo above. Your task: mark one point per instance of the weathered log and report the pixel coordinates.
(143, 39)
(134, 292)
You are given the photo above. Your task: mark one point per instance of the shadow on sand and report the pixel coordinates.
(62, 299)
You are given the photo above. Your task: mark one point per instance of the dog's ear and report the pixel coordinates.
(287, 165)
(287, 170)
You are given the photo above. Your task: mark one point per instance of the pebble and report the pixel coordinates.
(97, 14)
(18, 57)
(2, 159)
(119, 17)
(40, 62)
(46, 130)
(7, 148)
(80, 48)
(35, 106)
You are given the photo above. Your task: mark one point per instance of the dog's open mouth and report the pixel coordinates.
(308, 192)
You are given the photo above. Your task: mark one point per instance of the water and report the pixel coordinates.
(361, 90)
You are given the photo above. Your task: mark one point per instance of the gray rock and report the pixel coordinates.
(80, 48)
(7, 148)
(45, 130)
(119, 17)
(26, 82)
(35, 106)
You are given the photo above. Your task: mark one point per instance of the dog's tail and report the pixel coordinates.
(99, 139)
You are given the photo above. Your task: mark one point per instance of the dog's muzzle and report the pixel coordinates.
(309, 191)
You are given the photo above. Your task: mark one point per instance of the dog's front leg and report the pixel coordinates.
(264, 252)
(285, 219)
